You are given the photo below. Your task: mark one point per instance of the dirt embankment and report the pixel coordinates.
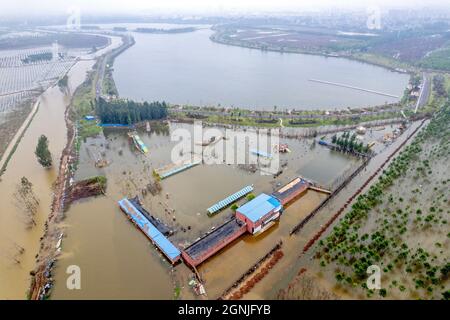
(42, 281)
(254, 275)
(90, 187)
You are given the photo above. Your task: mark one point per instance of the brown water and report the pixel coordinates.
(117, 261)
(281, 275)
(49, 120)
(14, 278)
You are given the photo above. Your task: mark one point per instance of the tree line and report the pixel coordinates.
(35, 57)
(349, 142)
(129, 112)
(439, 85)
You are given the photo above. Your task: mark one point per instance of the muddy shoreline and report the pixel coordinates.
(42, 280)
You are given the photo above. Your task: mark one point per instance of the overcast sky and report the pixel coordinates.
(50, 7)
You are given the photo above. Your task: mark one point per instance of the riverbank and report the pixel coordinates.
(276, 120)
(12, 145)
(369, 59)
(42, 281)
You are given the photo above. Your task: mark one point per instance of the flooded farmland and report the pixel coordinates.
(18, 243)
(100, 238)
(13, 230)
(116, 260)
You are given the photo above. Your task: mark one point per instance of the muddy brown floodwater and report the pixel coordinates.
(14, 278)
(118, 261)
(14, 234)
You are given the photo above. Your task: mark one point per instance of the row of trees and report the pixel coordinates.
(129, 112)
(349, 143)
(439, 85)
(35, 57)
(353, 245)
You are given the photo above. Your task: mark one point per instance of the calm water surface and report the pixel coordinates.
(188, 68)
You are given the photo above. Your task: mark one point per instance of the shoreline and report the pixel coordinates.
(13, 144)
(52, 234)
(41, 282)
(217, 38)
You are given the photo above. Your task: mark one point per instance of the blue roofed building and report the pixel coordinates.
(260, 213)
(150, 230)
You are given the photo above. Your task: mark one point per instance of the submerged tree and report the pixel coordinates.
(43, 153)
(63, 83)
(26, 200)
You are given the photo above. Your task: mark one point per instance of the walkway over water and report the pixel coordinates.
(229, 200)
(354, 88)
(176, 170)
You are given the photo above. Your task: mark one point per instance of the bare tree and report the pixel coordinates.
(26, 201)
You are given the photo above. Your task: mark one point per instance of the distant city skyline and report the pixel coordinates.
(59, 7)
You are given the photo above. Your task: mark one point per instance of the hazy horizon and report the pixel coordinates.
(199, 7)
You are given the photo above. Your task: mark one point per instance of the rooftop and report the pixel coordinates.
(150, 230)
(214, 238)
(259, 207)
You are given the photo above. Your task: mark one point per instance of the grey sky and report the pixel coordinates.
(49, 7)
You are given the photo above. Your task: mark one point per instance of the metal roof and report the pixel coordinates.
(228, 200)
(259, 207)
(150, 230)
(178, 170)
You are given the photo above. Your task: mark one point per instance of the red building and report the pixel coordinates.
(260, 213)
(213, 242)
(291, 191)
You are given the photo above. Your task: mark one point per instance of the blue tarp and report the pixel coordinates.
(115, 125)
(150, 230)
(259, 207)
(89, 118)
(261, 153)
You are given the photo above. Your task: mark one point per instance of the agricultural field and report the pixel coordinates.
(439, 59)
(24, 40)
(21, 82)
(29, 66)
(400, 225)
(427, 48)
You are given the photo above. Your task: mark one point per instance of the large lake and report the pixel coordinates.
(188, 68)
